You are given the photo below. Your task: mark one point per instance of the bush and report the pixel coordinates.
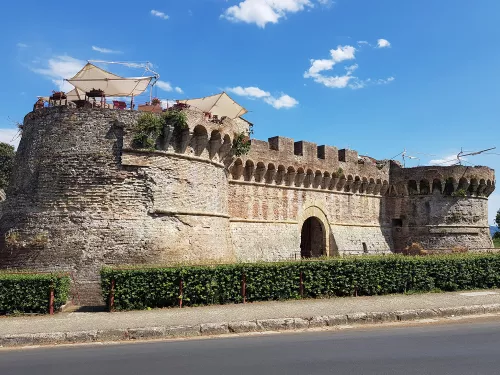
(148, 129)
(414, 249)
(140, 288)
(30, 293)
(241, 145)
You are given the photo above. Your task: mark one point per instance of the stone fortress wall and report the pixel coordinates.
(82, 197)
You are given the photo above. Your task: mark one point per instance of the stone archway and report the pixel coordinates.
(312, 238)
(316, 211)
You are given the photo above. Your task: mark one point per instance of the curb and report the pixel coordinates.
(264, 325)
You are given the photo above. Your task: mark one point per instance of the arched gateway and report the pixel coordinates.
(312, 238)
(316, 238)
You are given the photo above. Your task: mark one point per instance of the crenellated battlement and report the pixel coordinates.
(458, 181)
(284, 162)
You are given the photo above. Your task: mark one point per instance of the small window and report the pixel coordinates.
(365, 248)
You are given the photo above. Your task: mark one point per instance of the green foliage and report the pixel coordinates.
(7, 154)
(459, 193)
(30, 293)
(340, 173)
(141, 288)
(148, 129)
(241, 145)
(177, 119)
(497, 219)
(496, 239)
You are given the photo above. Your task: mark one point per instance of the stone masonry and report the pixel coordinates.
(81, 197)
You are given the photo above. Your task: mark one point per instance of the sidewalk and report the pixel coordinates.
(75, 327)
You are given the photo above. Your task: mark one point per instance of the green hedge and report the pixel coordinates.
(30, 293)
(139, 288)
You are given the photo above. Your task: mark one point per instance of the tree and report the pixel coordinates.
(496, 235)
(7, 154)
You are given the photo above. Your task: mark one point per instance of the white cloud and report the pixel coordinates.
(262, 12)
(383, 43)
(284, 101)
(105, 50)
(361, 42)
(10, 136)
(357, 83)
(326, 3)
(165, 86)
(22, 45)
(338, 55)
(318, 66)
(166, 103)
(253, 92)
(384, 81)
(343, 53)
(446, 160)
(162, 15)
(59, 68)
(338, 82)
(351, 68)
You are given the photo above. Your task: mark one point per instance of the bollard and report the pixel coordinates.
(244, 287)
(301, 285)
(112, 296)
(180, 293)
(51, 301)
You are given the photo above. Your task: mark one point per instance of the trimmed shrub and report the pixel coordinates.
(30, 293)
(140, 288)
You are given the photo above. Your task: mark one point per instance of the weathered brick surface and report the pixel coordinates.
(81, 197)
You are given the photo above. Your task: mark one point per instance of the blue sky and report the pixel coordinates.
(377, 76)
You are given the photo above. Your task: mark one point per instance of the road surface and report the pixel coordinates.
(458, 348)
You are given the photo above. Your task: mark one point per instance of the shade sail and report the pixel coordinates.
(93, 77)
(75, 94)
(220, 105)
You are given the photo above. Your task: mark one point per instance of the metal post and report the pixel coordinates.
(112, 296)
(51, 301)
(244, 287)
(180, 293)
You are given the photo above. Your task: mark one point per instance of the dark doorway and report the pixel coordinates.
(312, 239)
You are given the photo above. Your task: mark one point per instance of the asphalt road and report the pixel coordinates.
(465, 348)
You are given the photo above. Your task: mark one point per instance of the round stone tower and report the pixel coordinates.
(441, 207)
(81, 197)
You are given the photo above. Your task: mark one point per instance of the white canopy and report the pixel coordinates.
(220, 105)
(92, 77)
(75, 94)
